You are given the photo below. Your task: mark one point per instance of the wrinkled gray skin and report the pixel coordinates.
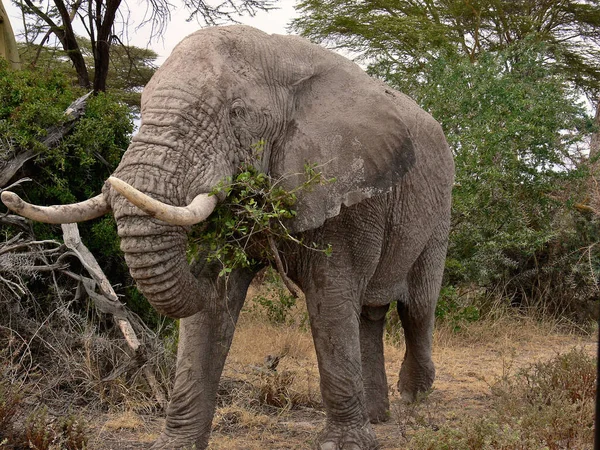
(386, 217)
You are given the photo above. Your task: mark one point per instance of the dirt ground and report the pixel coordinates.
(468, 363)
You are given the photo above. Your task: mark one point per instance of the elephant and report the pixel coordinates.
(386, 216)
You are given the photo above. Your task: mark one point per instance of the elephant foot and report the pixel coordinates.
(343, 438)
(378, 409)
(415, 378)
(165, 442)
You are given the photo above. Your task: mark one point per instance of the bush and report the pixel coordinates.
(75, 169)
(549, 405)
(518, 130)
(453, 311)
(81, 357)
(37, 431)
(275, 299)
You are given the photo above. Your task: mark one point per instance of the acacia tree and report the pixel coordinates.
(130, 67)
(104, 21)
(402, 35)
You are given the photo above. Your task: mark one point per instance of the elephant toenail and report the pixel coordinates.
(351, 446)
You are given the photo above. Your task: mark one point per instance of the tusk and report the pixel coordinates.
(75, 212)
(197, 211)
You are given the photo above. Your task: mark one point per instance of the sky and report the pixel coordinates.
(271, 22)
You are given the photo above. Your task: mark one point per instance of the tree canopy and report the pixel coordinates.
(403, 34)
(130, 67)
(105, 22)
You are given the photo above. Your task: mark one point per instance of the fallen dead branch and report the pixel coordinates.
(108, 302)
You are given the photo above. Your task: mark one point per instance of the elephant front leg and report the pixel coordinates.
(372, 323)
(335, 329)
(204, 341)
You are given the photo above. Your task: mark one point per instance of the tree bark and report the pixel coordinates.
(594, 183)
(102, 44)
(8, 43)
(66, 36)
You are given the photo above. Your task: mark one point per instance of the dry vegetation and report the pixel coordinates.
(507, 383)
(493, 380)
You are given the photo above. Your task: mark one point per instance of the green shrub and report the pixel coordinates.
(254, 212)
(451, 310)
(74, 433)
(31, 103)
(9, 405)
(38, 433)
(276, 301)
(518, 129)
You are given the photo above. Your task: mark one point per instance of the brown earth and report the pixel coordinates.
(265, 409)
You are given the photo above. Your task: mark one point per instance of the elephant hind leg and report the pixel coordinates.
(372, 323)
(417, 314)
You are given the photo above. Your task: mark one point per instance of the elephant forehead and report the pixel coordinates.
(213, 53)
(238, 53)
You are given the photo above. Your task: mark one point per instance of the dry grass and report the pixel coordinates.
(127, 420)
(469, 363)
(269, 396)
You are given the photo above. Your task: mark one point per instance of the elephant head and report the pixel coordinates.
(222, 90)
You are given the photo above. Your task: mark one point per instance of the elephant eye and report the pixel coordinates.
(238, 110)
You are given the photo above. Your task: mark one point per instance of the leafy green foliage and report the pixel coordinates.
(516, 130)
(29, 104)
(255, 210)
(131, 67)
(402, 36)
(33, 102)
(518, 133)
(276, 300)
(450, 309)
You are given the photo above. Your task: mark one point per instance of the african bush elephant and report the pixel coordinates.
(386, 216)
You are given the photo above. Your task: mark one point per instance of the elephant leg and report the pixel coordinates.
(335, 327)
(204, 341)
(372, 323)
(417, 314)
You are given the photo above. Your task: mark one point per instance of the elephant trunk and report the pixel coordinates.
(157, 262)
(155, 251)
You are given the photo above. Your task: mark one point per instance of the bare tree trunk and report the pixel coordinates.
(65, 34)
(102, 44)
(8, 43)
(594, 184)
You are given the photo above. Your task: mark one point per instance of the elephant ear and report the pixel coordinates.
(356, 131)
